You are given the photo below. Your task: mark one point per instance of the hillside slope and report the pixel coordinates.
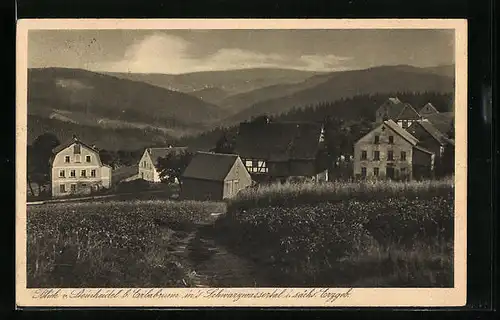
(104, 138)
(118, 99)
(346, 84)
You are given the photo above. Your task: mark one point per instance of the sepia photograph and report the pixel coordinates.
(210, 158)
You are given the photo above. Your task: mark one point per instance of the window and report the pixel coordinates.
(363, 155)
(87, 158)
(84, 173)
(62, 173)
(390, 155)
(375, 172)
(77, 149)
(72, 173)
(441, 150)
(84, 185)
(142, 175)
(363, 172)
(73, 187)
(377, 139)
(92, 173)
(403, 156)
(405, 124)
(78, 158)
(248, 163)
(391, 139)
(376, 155)
(62, 188)
(66, 159)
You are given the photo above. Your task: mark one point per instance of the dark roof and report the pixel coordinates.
(408, 113)
(442, 121)
(433, 131)
(423, 149)
(210, 166)
(429, 105)
(278, 141)
(156, 153)
(394, 105)
(401, 132)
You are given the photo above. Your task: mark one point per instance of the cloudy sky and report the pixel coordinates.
(181, 51)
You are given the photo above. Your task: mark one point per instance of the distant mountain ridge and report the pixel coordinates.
(345, 84)
(230, 81)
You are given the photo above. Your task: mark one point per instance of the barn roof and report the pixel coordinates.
(278, 141)
(433, 131)
(420, 148)
(401, 132)
(156, 153)
(442, 121)
(210, 166)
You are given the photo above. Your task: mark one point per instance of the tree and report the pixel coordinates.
(225, 144)
(39, 154)
(335, 138)
(173, 165)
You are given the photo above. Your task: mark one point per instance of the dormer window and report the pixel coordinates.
(77, 149)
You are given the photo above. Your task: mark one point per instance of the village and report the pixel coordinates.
(403, 145)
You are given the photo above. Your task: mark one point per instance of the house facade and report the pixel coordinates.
(390, 152)
(147, 166)
(214, 176)
(77, 169)
(279, 150)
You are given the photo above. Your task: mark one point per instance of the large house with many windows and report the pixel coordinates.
(76, 168)
(389, 151)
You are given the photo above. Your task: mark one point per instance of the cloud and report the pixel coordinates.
(160, 53)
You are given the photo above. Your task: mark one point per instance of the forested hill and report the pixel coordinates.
(356, 110)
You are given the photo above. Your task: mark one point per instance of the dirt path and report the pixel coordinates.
(209, 263)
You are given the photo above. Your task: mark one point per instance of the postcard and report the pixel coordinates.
(241, 162)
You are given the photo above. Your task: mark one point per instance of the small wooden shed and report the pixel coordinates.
(214, 176)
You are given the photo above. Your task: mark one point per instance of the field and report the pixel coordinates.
(110, 244)
(333, 234)
(343, 234)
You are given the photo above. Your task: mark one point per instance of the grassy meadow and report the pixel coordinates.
(369, 234)
(110, 244)
(343, 234)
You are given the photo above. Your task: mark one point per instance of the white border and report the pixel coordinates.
(359, 297)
